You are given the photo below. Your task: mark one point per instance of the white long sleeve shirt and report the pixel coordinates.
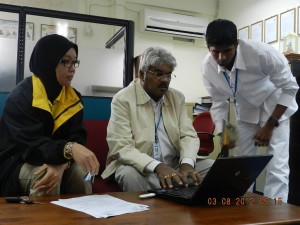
(168, 152)
(264, 80)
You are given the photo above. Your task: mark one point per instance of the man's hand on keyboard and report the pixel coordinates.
(188, 171)
(168, 175)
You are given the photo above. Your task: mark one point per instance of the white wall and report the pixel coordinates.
(189, 55)
(245, 13)
(99, 66)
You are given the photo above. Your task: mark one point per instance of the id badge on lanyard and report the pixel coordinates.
(233, 89)
(156, 146)
(156, 151)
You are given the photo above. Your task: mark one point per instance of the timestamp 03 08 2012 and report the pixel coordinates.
(240, 201)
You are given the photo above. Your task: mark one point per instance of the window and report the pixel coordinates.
(105, 46)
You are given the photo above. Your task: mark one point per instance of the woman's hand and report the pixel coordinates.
(85, 158)
(52, 177)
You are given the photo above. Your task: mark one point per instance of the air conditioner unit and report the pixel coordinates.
(172, 23)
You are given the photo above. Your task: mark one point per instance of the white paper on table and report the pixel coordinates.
(101, 206)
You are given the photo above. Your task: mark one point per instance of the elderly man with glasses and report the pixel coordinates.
(152, 142)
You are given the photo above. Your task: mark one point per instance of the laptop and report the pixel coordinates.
(229, 177)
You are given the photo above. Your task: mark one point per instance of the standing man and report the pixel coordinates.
(258, 79)
(152, 142)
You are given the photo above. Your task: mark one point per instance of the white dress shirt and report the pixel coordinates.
(168, 152)
(264, 80)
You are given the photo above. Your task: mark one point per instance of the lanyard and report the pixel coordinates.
(233, 88)
(156, 127)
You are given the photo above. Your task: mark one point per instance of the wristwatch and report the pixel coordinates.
(68, 150)
(272, 121)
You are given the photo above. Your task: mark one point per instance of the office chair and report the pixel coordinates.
(205, 128)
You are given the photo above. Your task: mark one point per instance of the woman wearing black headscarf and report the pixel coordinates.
(41, 131)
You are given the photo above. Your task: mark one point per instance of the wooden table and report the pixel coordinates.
(161, 211)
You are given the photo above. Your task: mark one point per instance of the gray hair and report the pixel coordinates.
(156, 56)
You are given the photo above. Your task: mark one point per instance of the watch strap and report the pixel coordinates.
(272, 121)
(68, 150)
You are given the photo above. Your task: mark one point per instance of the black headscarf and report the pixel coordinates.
(44, 59)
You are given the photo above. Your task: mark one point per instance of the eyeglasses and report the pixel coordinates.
(162, 75)
(69, 63)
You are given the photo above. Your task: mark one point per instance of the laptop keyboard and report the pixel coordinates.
(185, 192)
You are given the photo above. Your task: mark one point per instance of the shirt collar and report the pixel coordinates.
(239, 59)
(157, 104)
(239, 62)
